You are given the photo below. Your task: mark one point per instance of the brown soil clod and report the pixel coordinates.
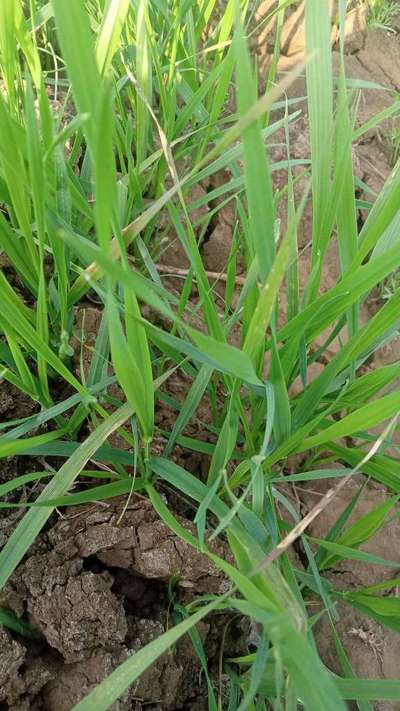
(138, 542)
(22, 674)
(95, 595)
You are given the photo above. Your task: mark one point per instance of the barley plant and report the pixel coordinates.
(111, 113)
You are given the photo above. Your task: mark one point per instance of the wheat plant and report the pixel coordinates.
(111, 112)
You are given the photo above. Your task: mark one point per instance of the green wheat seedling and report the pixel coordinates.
(110, 114)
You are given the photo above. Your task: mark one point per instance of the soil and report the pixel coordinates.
(95, 585)
(373, 650)
(96, 591)
(14, 404)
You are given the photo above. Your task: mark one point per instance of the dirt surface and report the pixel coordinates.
(14, 404)
(96, 593)
(373, 650)
(95, 585)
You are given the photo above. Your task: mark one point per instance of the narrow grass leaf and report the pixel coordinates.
(359, 343)
(380, 467)
(257, 176)
(282, 416)
(320, 111)
(9, 620)
(227, 358)
(384, 610)
(341, 551)
(128, 371)
(115, 684)
(76, 42)
(114, 16)
(33, 521)
(362, 530)
(383, 211)
(9, 447)
(189, 406)
(368, 689)
(362, 419)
